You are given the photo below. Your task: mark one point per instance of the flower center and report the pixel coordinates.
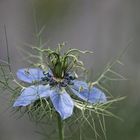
(62, 82)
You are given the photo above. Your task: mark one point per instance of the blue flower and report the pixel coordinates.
(45, 85)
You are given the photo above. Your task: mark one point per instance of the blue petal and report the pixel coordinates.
(62, 103)
(30, 94)
(30, 75)
(94, 95)
(44, 91)
(79, 85)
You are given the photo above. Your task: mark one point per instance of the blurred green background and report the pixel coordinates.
(105, 27)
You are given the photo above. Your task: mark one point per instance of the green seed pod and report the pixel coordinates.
(58, 69)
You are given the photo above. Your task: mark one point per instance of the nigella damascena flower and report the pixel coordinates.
(43, 84)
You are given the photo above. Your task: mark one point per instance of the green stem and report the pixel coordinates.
(60, 127)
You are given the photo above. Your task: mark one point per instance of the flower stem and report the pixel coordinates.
(60, 127)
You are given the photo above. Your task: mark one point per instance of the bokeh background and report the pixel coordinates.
(105, 27)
